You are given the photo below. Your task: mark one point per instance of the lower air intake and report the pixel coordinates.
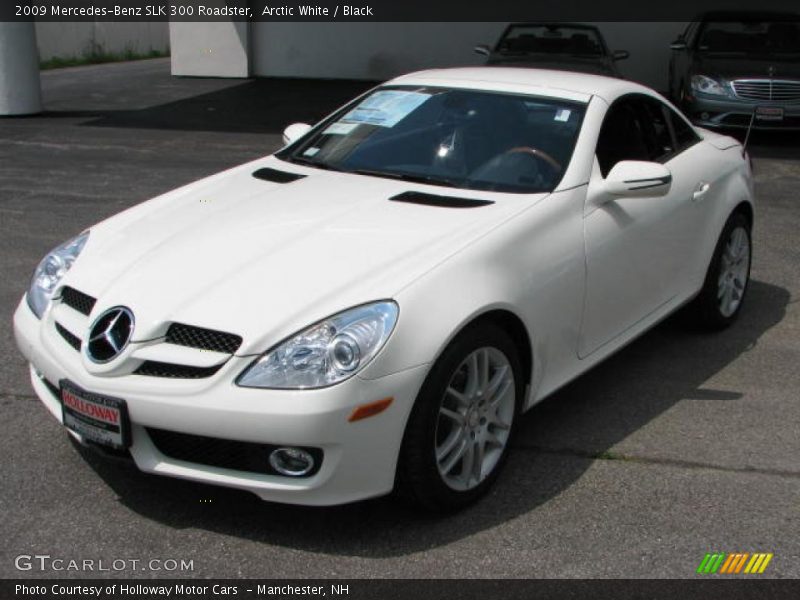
(153, 368)
(248, 457)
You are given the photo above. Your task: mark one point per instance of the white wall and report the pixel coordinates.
(75, 39)
(382, 50)
(210, 49)
(364, 50)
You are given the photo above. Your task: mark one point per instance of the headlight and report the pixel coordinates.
(326, 353)
(51, 270)
(707, 85)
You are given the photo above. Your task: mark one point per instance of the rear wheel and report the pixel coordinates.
(721, 298)
(459, 431)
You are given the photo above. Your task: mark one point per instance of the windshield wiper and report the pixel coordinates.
(406, 177)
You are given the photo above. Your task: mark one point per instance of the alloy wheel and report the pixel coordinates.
(734, 271)
(475, 418)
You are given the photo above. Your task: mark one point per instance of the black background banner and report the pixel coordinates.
(708, 587)
(375, 10)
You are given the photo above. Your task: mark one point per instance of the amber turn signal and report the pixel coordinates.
(370, 410)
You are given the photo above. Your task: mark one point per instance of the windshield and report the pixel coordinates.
(450, 137)
(750, 37)
(551, 39)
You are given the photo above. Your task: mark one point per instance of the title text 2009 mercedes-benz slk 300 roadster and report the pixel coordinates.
(373, 307)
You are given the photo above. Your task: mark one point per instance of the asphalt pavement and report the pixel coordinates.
(682, 444)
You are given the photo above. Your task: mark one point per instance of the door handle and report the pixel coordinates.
(701, 190)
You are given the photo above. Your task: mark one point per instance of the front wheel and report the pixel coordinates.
(459, 431)
(721, 298)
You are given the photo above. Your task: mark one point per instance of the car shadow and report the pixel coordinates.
(558, 441)
(772, 144)
(265, 105)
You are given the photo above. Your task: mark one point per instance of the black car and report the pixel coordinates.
(562, 46)
(728, 69)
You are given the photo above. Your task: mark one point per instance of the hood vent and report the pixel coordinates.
(441, 201)
(276, 176)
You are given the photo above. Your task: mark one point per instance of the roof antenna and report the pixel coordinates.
(747, 135)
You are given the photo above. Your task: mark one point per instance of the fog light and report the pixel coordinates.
(292, 462)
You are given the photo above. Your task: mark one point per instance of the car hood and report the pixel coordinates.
(262, 259)
(598, 65)
(737, 66)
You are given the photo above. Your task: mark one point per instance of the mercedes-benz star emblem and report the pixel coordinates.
(110, 334)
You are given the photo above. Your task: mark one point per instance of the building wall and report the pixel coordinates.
(365, 50)
(211, 49)
(77, 39)
(379, 51)
(383, 50)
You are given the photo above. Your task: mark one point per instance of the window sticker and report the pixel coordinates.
(310, 151)
(386, 108)
(562, 114)
(340, 128)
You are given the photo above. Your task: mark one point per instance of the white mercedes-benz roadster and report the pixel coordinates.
(374, 306)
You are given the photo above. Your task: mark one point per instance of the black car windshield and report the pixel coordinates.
(551, 39)
(448, 137)
(755, 37)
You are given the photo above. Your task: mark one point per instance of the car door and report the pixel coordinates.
(637, 248)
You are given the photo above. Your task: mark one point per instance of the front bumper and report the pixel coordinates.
(359, 458)
(728, 113)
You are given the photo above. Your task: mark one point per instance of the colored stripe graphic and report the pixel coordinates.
(742, 561)
(727, 565)
(703, 563)
(730, 563)
(734, 563)
(711, 562)
(758, 563)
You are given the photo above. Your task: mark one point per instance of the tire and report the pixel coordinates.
(722, 296)
(456, 424)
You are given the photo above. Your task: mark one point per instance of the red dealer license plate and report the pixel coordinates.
(95, 417)
(769, 113)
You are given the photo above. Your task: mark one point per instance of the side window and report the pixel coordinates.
(654, 120)
(685, 136)
(622, 136)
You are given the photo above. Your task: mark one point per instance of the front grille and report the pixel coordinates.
(772, 90)
(204, 339)
(225, 454)
(81, 302)
(71, 339)
(152, 368)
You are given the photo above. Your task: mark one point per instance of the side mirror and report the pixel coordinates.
(620, 54)
(294, 132)
(483, 49)
(636, 178)
(679, 44)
